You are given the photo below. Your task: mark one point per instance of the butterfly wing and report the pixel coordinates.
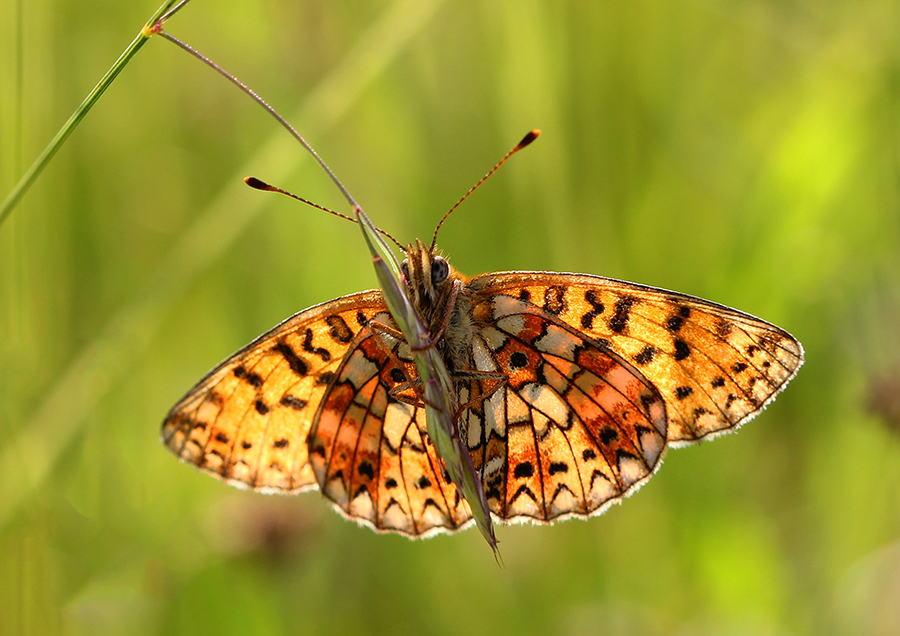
(369, 450)
(715, 367)
(574, 427)
(603, 375)
(247, 421)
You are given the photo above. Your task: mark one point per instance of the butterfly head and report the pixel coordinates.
(429, 277)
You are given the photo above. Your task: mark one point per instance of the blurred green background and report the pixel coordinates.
(747, 152)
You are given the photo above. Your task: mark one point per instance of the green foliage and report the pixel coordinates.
(745, 152)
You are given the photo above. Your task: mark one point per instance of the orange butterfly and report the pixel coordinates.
(571, 388)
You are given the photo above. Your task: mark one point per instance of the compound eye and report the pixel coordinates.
(404, 268)
(440, 270)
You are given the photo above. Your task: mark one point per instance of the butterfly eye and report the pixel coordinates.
(404, 268)
(440, 270)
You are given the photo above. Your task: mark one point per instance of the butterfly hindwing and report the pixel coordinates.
(369, 451)
(247, 421)
(573, 429)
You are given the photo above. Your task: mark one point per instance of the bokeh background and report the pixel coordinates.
(742, 151)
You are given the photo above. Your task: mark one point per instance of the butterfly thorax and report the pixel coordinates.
(437, 291)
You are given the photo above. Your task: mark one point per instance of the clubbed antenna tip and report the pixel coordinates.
(527, 139)
(257, 184)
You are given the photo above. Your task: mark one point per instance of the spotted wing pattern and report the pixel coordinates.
(602, 376)
(574, 428)
(715, 367)
(371, 455)
(574, 387)
(370, 451)
(247, 421)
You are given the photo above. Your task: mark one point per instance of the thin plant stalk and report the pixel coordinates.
(437, 385)
(438, 389)
(165, 11)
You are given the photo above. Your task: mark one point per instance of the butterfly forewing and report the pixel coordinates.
(247, 421)
(714, 367)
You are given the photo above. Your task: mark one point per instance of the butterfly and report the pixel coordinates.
(570, 389)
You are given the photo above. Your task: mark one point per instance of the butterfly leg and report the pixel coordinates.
(435, 331)
(500, 380)
(381, 329)
(397, 393)
(412, 383)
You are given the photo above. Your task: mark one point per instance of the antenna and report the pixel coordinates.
(527, 139)
(258, 184)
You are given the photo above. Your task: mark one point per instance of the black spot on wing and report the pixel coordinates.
(423, 482)
(608, 435)
(253, 379)
(309, 347)
(558, 467)
(622, 313)
(555, 299)
(293, 402)
(646, 355)
(518, 360)
(362, 490)
(597, 308)
(523, 469)
(595, 474)
(431, 503)
(325, 379)
(340, 332)
(723, 328)
(365, 469)
(682, 350)
(296, 363)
